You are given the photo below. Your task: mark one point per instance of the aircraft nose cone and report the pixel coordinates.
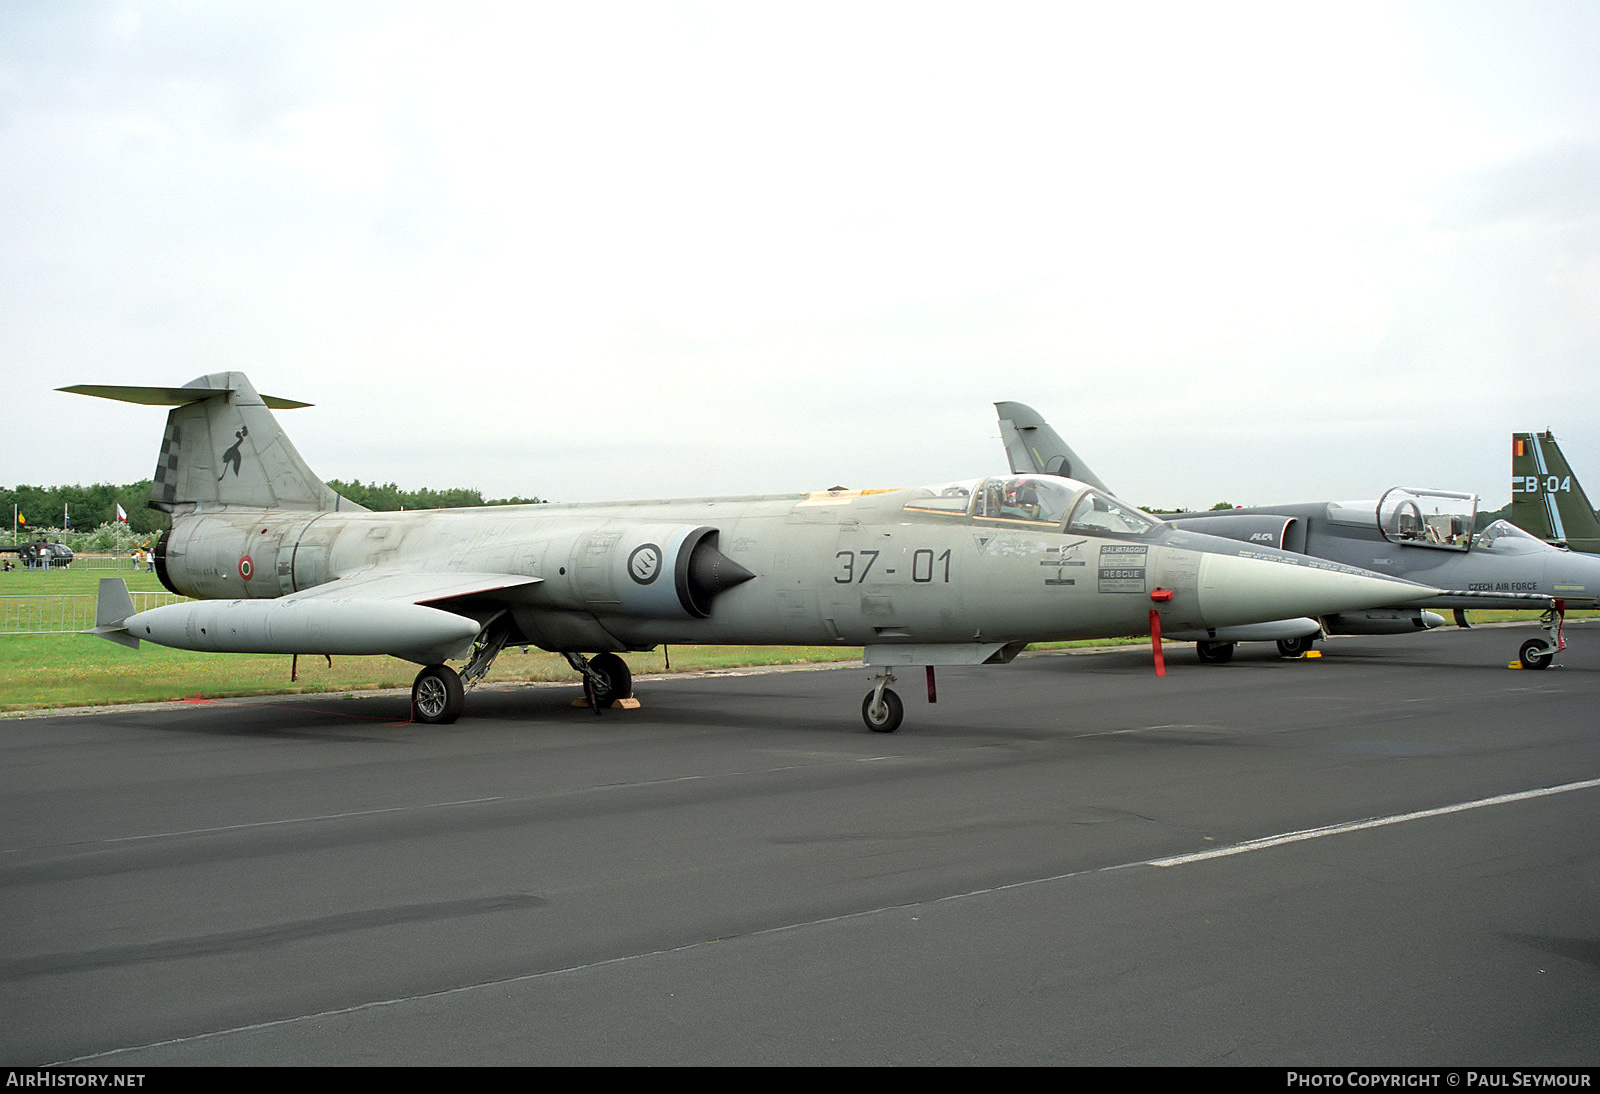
(1235, 590)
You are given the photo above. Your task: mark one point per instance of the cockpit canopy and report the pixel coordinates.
(1038, 500)
(1418, 518)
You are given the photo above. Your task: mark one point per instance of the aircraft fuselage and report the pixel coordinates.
(847, 568)
(1518, 566)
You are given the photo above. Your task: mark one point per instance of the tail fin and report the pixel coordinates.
(1033, 447)
(111, 611)
(224, 447)
(1546, 497)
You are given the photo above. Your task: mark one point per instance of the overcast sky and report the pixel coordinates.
(1244, 252)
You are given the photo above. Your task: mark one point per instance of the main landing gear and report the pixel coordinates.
(437, 695)
(1296, 647)
(606, 678)
(1214, 653)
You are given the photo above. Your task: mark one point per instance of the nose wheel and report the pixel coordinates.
(882, 710)
(1537, 653)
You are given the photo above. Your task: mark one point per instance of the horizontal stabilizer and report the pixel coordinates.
(169, 396)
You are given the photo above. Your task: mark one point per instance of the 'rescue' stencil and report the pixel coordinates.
(1122, 567)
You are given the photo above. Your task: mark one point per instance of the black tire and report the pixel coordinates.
(889, 718)
(1214, 653)
(1294, 647)
(437, 696)
(613, 679)
(1532, 658)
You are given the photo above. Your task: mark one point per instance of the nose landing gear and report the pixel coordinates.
(1537, 653)
(882, 709)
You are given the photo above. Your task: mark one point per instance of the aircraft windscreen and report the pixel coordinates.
(1037, 499)
(949, 497)
(1503, 536)
(1097, 513)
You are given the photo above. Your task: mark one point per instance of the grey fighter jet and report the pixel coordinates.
(1420, 535)
(963, 573)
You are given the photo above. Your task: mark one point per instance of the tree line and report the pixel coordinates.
(43, 508)
(387, 497)
(51, 508)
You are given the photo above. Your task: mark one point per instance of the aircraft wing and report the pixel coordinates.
(411, 587)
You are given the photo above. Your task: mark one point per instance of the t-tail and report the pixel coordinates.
(1546, 497)
(1034, 448)
(223, 447)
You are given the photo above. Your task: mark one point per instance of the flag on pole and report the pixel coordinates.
(21, 519)
(121, 513)
(66, 517)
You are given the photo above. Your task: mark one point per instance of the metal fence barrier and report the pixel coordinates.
(103, 562)
(95, 562)
(66, 613)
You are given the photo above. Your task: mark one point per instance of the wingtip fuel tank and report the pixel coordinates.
(352, 627)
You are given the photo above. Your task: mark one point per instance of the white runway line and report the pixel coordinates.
(1373, 822)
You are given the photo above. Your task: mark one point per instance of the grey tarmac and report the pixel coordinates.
(732, 874)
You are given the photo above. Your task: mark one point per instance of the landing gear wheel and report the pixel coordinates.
(884, 717)
(1214, 653)
(437, 696)
(1536, 654)
(1294, 647)
(612, 678)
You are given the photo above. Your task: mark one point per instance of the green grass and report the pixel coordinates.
(69, 670)
(73, 581)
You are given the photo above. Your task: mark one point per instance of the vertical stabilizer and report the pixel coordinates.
(1034, 448)
(1546, 497)
(223, 446)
